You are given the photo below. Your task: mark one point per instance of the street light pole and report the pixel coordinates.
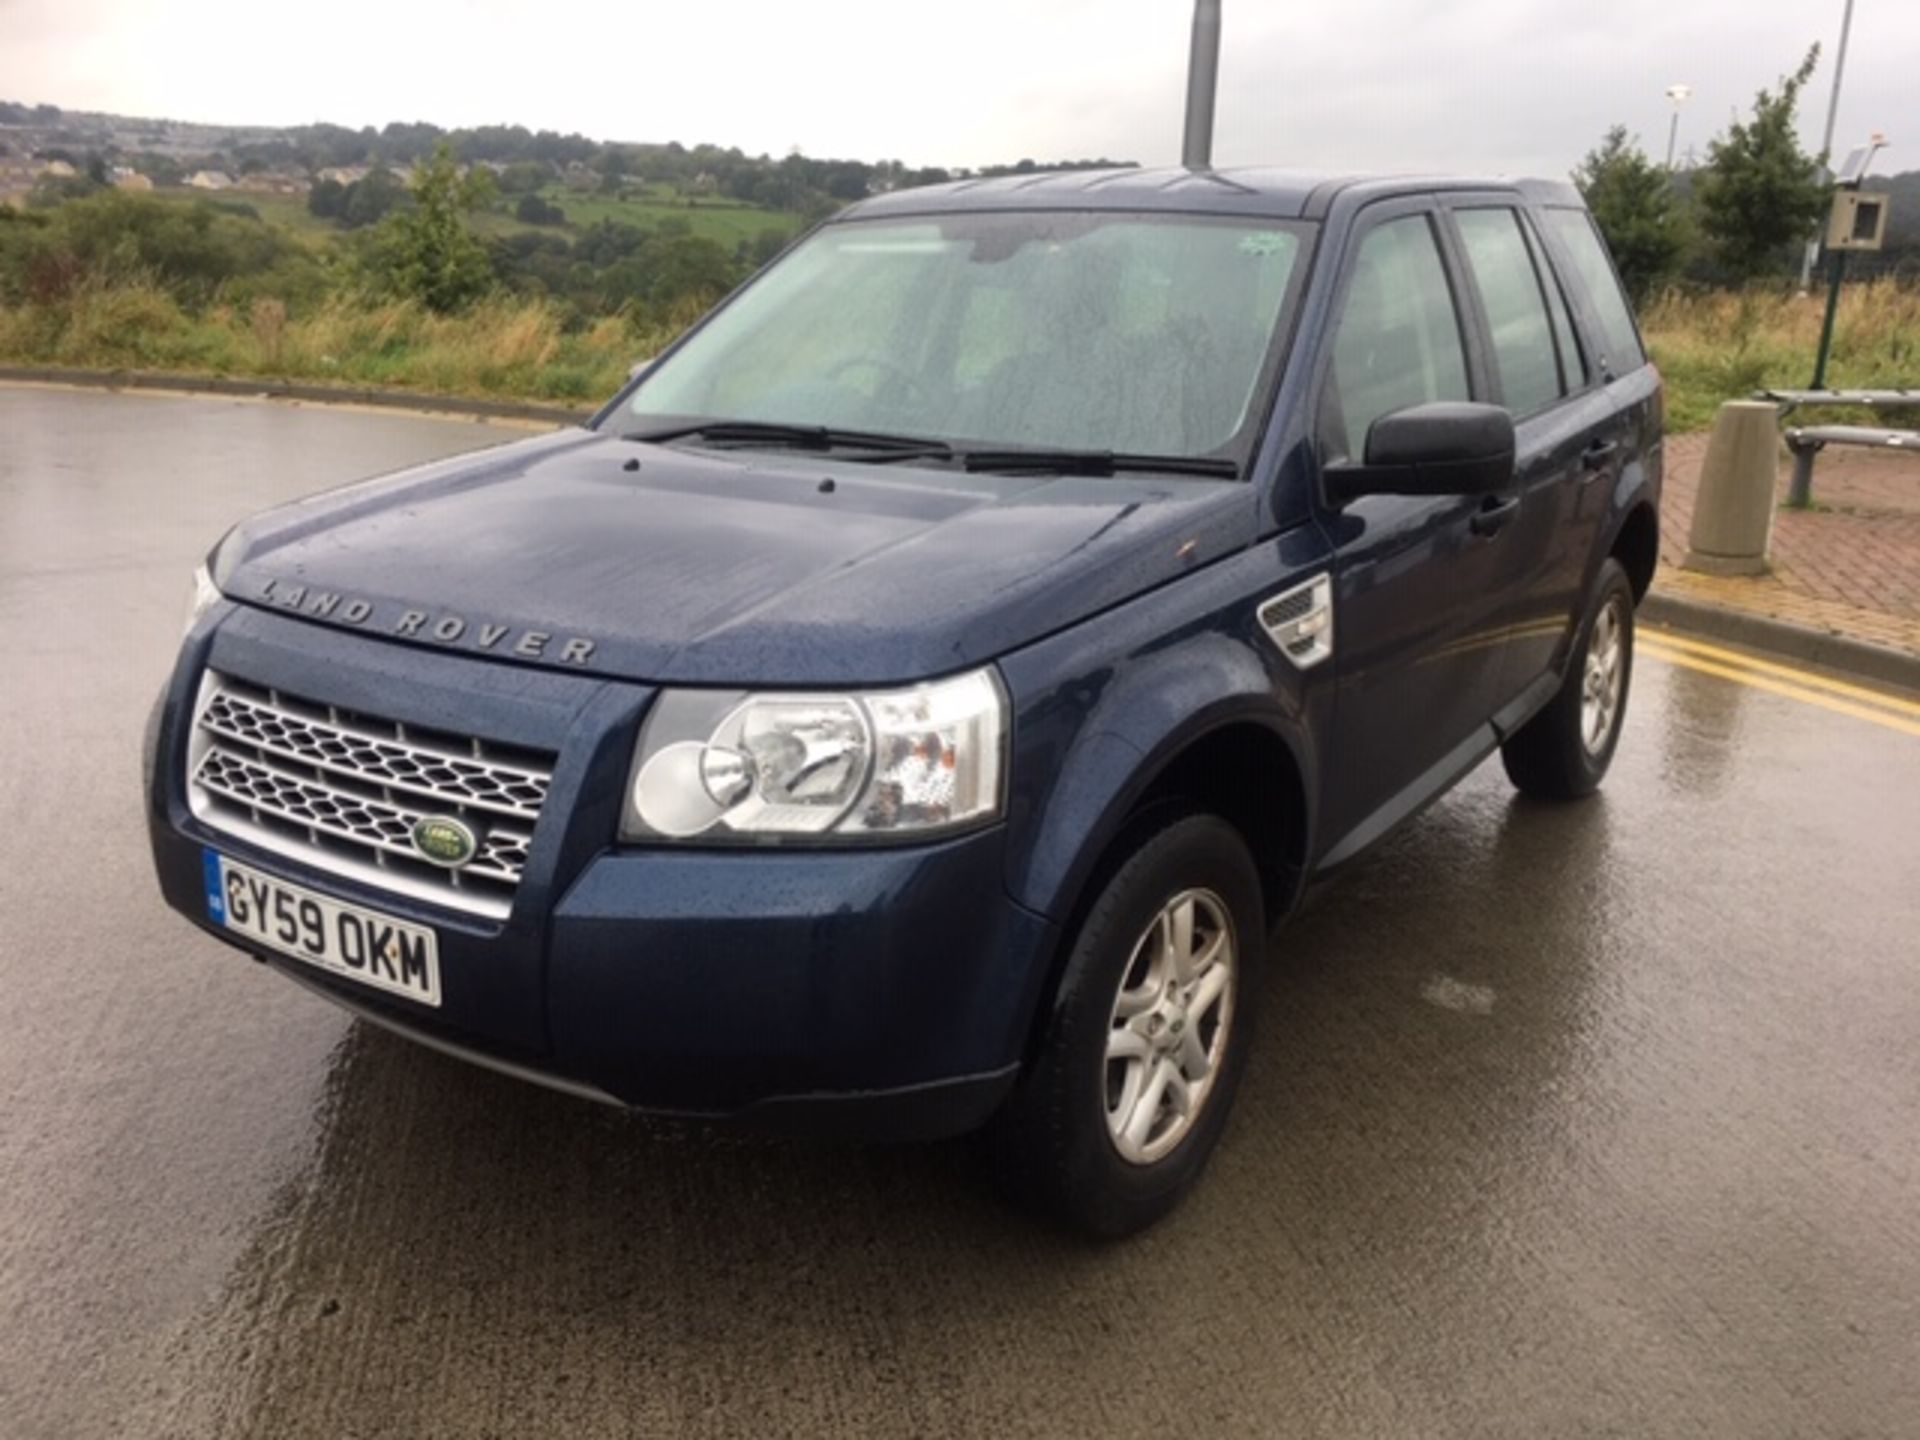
(1826, 140)
(1679, 95)
(1203, 73)
(1839, 71)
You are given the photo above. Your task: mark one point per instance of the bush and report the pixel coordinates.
(189, 250)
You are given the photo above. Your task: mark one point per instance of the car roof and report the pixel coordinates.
(1267, 191)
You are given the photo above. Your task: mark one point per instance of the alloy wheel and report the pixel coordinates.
(1605, 675)
(1170, 1026)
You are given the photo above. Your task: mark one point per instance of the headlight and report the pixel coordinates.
(735, 767)
(205, 593)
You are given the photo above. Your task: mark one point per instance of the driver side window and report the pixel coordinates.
(1398, 342)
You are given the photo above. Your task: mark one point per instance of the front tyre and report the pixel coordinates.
(1563, 752)
(1129, 1092)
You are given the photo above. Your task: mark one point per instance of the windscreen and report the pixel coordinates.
(1123, 332)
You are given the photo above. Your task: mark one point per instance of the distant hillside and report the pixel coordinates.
(269, 158)
(1903, 220)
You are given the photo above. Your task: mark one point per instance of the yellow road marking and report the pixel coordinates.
(1785, 672)
(1756, 681)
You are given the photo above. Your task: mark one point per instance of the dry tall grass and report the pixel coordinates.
(504, 347)
(1725, 345)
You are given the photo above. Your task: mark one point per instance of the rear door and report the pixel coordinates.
(1562, 452)
(1418, 584)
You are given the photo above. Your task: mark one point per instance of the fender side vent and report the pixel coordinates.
(1300, 621)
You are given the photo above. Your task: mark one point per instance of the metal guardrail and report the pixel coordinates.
(1805, 442)
(1791, 400)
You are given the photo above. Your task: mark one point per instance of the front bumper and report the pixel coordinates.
(884, 993)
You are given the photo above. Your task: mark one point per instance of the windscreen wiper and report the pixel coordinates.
(1098, 462)
(798, 437)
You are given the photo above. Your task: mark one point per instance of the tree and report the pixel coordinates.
(1632, 200)
(614, 166)
(327, 200)
(427, 251)
(369, 200)
(1761, 193)
(532, 210)
(523, 177)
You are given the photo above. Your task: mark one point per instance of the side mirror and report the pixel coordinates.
(1447, 447)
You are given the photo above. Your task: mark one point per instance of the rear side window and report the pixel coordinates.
(1399, 338)
(1516, 308)
(1573, 368)
(1574, 228)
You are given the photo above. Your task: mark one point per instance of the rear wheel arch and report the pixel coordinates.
(1636, 545)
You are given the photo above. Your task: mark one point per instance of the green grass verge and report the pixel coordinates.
(504, 349)
(1725, 345)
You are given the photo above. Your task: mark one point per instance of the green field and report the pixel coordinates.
(287, 211)
(725, 221)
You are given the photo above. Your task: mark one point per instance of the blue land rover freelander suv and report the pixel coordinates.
(909, 706)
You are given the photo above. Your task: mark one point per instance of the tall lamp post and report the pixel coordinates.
(1678, 95)
(1826, 140)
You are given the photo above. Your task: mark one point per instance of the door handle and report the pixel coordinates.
(1596, 455)
(1492, 517)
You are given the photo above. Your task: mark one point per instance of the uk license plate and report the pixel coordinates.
(346, 940)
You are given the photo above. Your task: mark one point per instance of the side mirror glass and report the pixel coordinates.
(1447, 447)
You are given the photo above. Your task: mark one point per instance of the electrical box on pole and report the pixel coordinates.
(1858, 220)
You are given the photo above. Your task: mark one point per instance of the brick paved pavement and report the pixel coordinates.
(1850, 566)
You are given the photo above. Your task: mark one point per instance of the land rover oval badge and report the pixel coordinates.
(443, 840)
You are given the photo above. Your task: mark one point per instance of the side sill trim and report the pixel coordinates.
(1424, 790)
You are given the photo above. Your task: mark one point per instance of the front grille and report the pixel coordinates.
(342, 791)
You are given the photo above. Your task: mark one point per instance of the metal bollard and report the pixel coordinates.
(1733, 513)
(1800, 493)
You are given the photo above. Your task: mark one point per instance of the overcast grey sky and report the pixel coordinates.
(1500, 85)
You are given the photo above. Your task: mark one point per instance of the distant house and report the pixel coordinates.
(57, 170)
(272, 182)
(125, 179)
(343, 174)
(210, 180)
(16, 180)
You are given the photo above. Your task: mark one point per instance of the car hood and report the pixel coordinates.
(585, 551)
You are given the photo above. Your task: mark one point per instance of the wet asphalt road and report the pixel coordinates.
(1593, 1120)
